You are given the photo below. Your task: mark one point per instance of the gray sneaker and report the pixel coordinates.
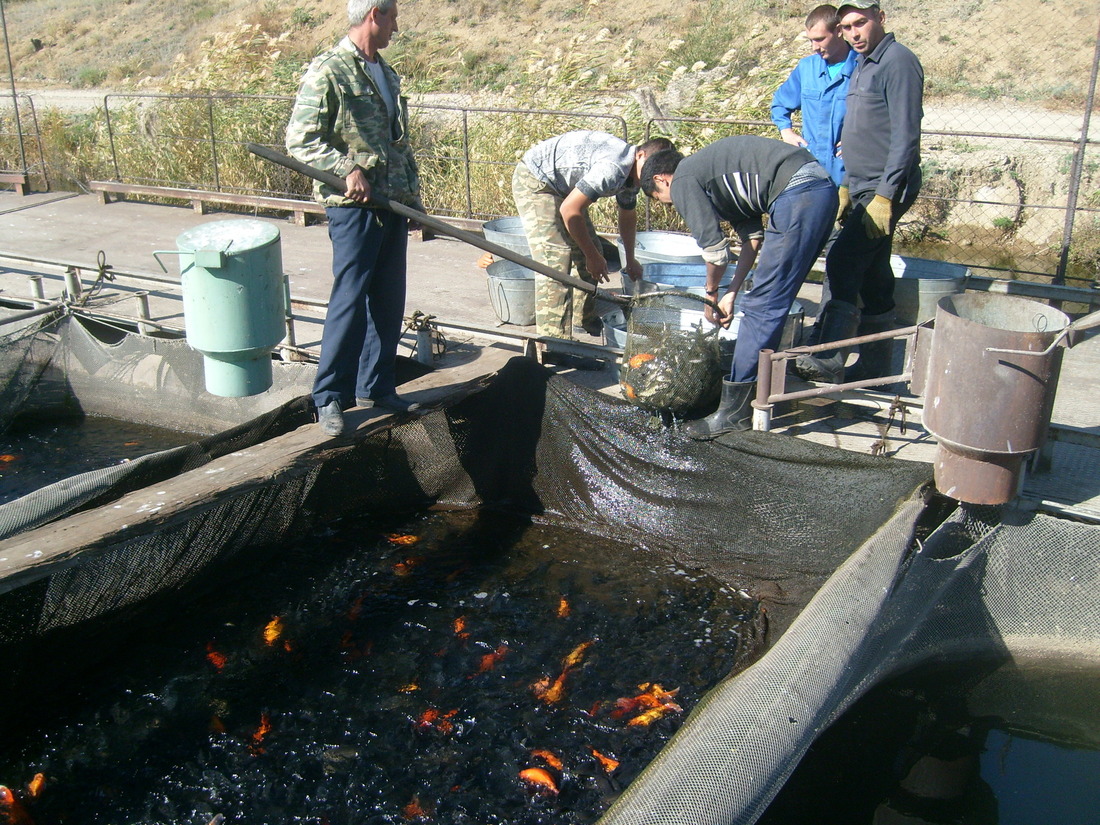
(392, 402)
(331, 418)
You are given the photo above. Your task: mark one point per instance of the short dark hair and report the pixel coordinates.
(827, 14)
(662, 163)
(654, 145)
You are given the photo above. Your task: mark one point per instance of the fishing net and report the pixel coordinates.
(672, 361)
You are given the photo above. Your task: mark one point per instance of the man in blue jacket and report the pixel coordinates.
(818, 87)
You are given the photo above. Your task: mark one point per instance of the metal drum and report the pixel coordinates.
(992, 372)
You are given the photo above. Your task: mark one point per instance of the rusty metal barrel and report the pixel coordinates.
(992, 372)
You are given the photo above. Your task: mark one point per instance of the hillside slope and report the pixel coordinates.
(970, 48)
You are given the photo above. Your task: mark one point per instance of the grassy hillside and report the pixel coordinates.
(970, 48)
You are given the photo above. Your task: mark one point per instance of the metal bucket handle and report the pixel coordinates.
(1085, 322)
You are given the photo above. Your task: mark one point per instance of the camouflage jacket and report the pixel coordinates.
(340, 121)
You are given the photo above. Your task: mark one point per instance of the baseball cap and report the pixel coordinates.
(861, 4)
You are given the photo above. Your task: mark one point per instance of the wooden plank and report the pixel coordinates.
(17, 179)
(199, 198)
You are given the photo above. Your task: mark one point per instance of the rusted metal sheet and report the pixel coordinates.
(990, 389)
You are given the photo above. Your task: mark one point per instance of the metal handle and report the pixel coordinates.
(158, 252)
(1084, 322)
(337, 183)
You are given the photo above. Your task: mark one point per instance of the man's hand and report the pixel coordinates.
(793, 138)
(876, 220)
(358, 187)
(632, 268)
(597, 267)
(723, 316)
(845, 205)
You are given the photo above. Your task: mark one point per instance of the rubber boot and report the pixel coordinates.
(813, 338)
(876, 358)
(734, 411)
(839, 320)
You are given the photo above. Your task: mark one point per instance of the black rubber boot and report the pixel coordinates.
(734, 411)
(839, 320)
(876, 358)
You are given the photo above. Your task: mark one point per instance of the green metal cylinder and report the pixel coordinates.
(233, 302)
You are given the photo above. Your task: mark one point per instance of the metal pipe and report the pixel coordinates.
(73, 289)
(1076, 169)
(31, 313)
(143, 312)
(38, 291)
(14, 96)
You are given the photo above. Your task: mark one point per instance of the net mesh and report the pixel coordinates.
(672, 358)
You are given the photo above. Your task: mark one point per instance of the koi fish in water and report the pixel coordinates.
(608, 764)
(539, 781)
(273, 630)
(489, 660)
(261, 733)
(414, 810)
(12, 811)
(651, 704)
(215, 658)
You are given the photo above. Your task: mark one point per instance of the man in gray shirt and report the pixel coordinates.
(881, 140)
(553, 186)
(740, 180)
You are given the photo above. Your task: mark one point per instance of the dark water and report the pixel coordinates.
(970, 745)
(36, 453)
(390, 673)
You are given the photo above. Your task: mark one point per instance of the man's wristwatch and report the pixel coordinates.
(710, 291)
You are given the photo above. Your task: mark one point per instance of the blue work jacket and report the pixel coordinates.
(823, 106)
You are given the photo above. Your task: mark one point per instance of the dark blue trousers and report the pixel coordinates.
(799, 223)
(366, 308)
(857, 267)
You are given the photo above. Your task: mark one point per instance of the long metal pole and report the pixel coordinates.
(14, 96)
(1077, 168)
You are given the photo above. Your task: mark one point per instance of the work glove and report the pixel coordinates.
(845, 205)
(876, 220)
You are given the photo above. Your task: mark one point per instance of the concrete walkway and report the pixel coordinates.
(445, 281)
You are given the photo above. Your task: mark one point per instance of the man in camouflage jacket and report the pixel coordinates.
(349, 119)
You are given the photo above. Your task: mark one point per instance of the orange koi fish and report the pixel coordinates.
(459, 627)
(549, 757)
(404, 568)
(403, 540)
(433, 719)
(539, 781)
(7, 458)
(608, 764)
(639, 359)
(576, 656)
(489, 660)
(260, 734)
(414, 810)
(563, 608)
(628, 390)
(215, 658)
(12, 811)
(36, 785)
(550, 692)
(273, 630)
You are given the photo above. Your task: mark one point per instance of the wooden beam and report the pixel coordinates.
(199, 198)
(17, 179)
